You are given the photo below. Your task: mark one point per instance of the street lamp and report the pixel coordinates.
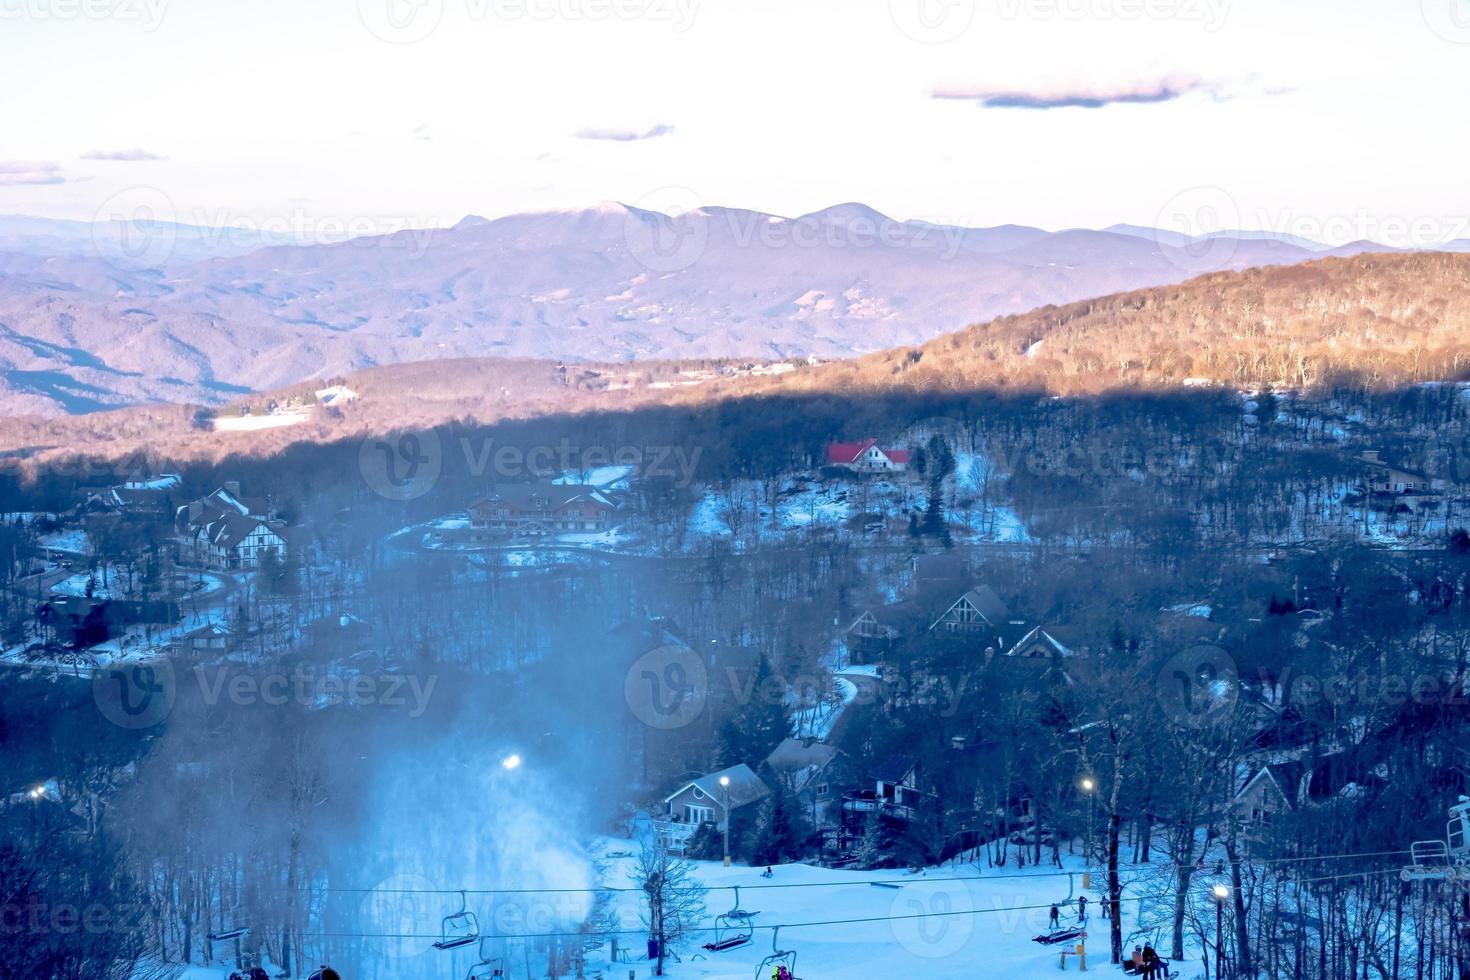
(725, 785)
(1087, 787)
(1220, 893)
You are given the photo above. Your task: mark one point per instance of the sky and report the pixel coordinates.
(1330, 119)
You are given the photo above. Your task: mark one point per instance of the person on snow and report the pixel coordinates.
(258, 973)
(1056, 916)
(768, 873)
(1082, 908)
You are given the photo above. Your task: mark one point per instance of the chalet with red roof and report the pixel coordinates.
(867, 457)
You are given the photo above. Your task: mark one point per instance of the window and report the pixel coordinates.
(698, 814)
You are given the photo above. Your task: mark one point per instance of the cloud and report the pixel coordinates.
(16, 172)
(624, 135)
(1081, 95)
(134, 155)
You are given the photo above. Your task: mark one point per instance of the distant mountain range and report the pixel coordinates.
(94, 317)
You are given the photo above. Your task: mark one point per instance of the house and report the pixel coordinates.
(1271, 791)
(227, 530)
(545, 508)
(704, 801)
(143, 499)
(867, 457)
(80, 622)
(808, 768)
(233, 541)
(1383, 477)
(1046, 642)
(895, 796)
(209, 638)
(976, 616)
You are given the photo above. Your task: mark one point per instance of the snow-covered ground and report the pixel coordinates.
(254, 423)
(961, 922)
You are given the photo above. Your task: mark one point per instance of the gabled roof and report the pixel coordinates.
(894, 768)
(848, 452)
(987, 603)
(745, 786)
(1286, 776)
(1046, 638)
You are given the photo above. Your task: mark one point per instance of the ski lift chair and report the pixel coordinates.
(488, 968)
(778, 957)
(225, 935)
(733, 929)
(459, 929)
(1443, 860)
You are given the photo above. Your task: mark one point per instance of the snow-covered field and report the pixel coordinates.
(961, 922)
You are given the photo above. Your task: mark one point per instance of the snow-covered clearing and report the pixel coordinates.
(957, 922)
(255, 423)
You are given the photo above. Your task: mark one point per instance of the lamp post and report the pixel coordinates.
(1087, 787)
(1221, 893)
(725, 785)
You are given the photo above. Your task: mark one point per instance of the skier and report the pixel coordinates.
(768, 873)
(1137, 959)
(1082, 908)
(258, 973)
(326, 973)
(1056, 917)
